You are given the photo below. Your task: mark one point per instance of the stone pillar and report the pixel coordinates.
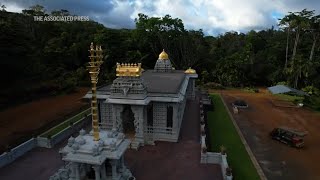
(103, 171)
(193, 88)
(122, 166)
(175, 127)
(72, 175)
(114, 169)
(138, 124)
(116, 117)
(77, 171)
(97, 171)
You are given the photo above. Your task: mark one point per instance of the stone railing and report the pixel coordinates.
(10, 156)
(159, 130)
(51, 142)
(212, 157)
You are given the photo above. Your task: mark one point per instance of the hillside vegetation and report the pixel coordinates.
(49, 58)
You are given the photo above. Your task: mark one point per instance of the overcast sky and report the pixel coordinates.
(213, 16)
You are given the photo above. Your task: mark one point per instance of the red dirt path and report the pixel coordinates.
(277, 160)
(23, 120)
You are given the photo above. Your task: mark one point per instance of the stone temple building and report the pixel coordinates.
(147, 105)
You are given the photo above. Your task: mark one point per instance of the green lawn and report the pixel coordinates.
(222, 132)
(66, 123)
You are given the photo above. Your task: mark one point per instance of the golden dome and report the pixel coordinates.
(190, 71)
(163, 55)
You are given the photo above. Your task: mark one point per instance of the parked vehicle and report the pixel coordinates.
(288, 136)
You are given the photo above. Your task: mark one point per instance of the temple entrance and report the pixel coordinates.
(128, 121)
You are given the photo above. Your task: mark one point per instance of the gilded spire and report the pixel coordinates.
(163, 55)
(190, 71)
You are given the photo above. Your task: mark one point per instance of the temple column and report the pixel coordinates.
(122, 163)
(103, 171)
(138, 124)
(97, 171)
(116, 117)
(114, 169)
(72, 175)
(175, 125)
(77, 171)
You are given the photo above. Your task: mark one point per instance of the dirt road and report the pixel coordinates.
(21, 121)
(277, 160)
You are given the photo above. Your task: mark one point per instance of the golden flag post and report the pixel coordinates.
(94, 68)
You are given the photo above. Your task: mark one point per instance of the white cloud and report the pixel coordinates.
(213, 16)
(119, 16)
(13, 8)
(208, 15)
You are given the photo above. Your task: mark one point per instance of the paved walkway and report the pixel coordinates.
(170, 161)
(37, 164)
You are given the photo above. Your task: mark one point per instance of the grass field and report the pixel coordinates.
(222, 132)
(66, 123)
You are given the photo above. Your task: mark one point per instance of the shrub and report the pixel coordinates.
(311, 90)
(228, 171)
(213, 85)
(204, 150)
(312, 102)
(223, 149)
(282, 83)
(251, 89)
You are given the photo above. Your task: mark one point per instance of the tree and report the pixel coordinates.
(285, 23)
(36, 10)
(3, 8)
(315, 29)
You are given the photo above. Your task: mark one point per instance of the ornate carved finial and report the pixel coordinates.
(129, 69)
(190, 71)
(91, 46)
(163, 55)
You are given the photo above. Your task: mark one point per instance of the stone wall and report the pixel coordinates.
(160, 131)
(191, 89)
(106, 115)
(8, 157)
(159, 114)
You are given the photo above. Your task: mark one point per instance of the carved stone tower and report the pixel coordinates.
(129, 83)
(163, 64)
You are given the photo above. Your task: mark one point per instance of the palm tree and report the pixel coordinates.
(286, 23)
(315, 29)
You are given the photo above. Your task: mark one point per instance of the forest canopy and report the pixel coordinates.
(48, 58)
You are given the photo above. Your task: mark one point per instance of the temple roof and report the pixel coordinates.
(163, 82)
(157, 82)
